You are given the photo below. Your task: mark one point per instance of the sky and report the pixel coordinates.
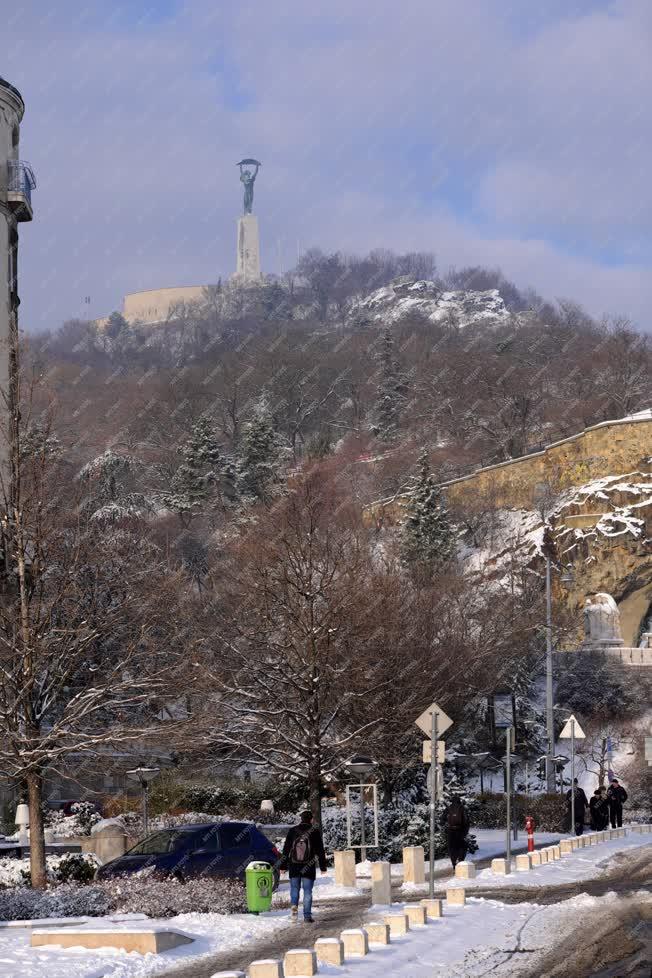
(497, 132)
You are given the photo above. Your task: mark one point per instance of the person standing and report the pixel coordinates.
(616, 797)
(302, 852)
(456, 823)
(581, 804)
(599, 809)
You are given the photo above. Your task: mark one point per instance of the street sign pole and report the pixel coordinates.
(508, 795)
(433, 804)
(572, 725)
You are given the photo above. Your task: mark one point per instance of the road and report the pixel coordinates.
(604, 939)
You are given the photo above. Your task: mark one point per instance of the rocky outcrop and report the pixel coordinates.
(407, 297)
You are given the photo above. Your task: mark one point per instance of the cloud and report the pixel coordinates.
(491, 133)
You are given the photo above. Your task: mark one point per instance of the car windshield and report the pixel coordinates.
(161, 842)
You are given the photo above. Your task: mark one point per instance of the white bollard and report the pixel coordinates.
(414, 865)
(523, 862)
(345, 867)
(465, 870)
(299, 961)
(377, 933)
(398, 924)
(500, 867)
(356, 942)
(266, 968)
(432, 908)
(329, 950)
(537, 857)
(416, 914)
(456, 896)
(381, 886)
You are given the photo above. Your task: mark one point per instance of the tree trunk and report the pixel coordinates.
(314, 792)
(36, 837)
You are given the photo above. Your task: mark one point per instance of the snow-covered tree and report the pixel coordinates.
(391, 391)
(205, 472)
(428, 537)
(262, 454)
(110, 490)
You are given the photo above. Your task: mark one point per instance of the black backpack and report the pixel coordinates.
(301, 851)
(455, 817)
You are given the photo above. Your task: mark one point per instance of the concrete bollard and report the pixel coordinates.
(228, 974)
(329, 950)
(499, 867)
(465, 871)
(301, 962)
(416, 914)
(345, 867)
(381, 886)
(432, 908)
(356, 942)
(398, 924)
(456, 896)
(565, 847)
(414, 867)
(523, 864)
(556, 851)
(537, 857)
(266, 968)
(377, 933)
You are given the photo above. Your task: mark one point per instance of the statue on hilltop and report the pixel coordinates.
(248, 177)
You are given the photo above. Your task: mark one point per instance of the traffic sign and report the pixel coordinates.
(424, 722)
(440, 780)
(568, 731)
(427, 752)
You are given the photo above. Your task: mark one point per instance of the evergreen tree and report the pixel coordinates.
(428, 535)
(204, 471)
(261, 453)
(391, 392)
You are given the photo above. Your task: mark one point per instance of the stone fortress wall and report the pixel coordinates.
(604, 449)
(154, 306)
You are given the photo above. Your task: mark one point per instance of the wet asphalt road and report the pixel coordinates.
(619, 940)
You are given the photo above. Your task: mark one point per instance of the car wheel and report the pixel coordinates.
(179, 876)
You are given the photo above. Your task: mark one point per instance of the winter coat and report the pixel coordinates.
(599, 809)
(307, 870)
(581, 801)
(455, 837)
(616, 797)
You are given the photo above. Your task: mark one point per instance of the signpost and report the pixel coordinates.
(504, 720)
(427, 752)
(433, 721)
(573, 730)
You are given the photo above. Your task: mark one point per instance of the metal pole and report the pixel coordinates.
(550, 728)
(572, 777)
(508, 794)
(433, 804)
(363, 848)
(145, 807)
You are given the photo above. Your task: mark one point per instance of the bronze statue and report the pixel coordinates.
(248, 177)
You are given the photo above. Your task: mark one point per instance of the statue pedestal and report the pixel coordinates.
(248, 262)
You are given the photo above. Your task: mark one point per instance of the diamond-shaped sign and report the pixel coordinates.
(424, 722)
(567, 732)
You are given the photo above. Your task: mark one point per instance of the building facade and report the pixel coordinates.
(16, 185)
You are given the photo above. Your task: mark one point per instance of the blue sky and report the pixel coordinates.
(499, 132)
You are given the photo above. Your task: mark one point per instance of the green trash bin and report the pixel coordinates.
(260, 882)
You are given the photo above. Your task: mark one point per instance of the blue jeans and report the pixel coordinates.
(295, 884)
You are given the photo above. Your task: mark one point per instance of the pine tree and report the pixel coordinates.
(205, 471)
(261, 453)
(428, 535)
(391, 392)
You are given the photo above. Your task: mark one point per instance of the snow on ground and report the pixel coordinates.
(465, 943)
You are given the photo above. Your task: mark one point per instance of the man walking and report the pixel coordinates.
(581, 804)
(616, 796)
(456, 823)
(303, 850)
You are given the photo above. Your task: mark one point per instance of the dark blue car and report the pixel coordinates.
(209, 849)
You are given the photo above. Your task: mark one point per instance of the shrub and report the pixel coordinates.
(23, 903)
(399, 825)
(145, 893)
(86, 815)
(549, 811)
(76, 868)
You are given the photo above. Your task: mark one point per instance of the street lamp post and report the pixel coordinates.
(143, 775)
(566, 578)
(361, 765)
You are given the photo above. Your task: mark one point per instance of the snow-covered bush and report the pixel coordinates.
(71, 867)
(23, 903)
(399, 824)
(145, 893)
(86, 815)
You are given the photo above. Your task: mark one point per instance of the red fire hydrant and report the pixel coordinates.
(529, 828)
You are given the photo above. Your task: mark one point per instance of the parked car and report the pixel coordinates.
(209, 849)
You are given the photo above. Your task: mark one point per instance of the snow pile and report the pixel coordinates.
(621, 503)
(461, 308)
(16, 872)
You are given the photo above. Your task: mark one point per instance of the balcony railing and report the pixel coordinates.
(20, 183)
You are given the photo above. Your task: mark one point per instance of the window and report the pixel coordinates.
(207, 839)
(161, 843)
(235, 835)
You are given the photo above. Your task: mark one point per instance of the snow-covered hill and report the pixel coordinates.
(462, 308)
